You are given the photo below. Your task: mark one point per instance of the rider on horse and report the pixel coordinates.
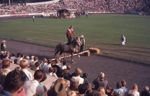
(70, 35)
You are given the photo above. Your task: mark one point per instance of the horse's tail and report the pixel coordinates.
(58, 48)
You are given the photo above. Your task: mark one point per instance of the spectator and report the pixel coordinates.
(12, 58)
(77, 79)
(134, 91)
(58, 70)
(83, 89)
(118, 91)
(90, 90)
(52, 72)
(66, 73)
(13, 85)
(34, 87)
(145, 92)
(3, 46)
(100, 81)
(44, 65)
(5, 67)
(102, 92)
(85, 77)
(59, 88)
(36, 66)
(123, 87)
(4, 70)
(24, 64)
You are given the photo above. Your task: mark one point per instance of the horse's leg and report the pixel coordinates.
(57, 49)
(56, 53)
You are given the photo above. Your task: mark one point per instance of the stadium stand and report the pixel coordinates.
(92, 6)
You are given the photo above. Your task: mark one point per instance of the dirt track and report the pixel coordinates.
(115, 69)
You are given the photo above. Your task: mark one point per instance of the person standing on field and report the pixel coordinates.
(123, 40)
(3, 46)
(33, 18)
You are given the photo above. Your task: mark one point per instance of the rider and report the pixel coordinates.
(70, 34)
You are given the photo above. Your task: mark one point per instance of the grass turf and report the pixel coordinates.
(101, 31)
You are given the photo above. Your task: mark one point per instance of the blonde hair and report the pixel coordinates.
(24, 63)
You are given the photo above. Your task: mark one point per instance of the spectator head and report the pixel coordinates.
(145, 92)
(27, 57)
(37, 64)
(102, 75)
(135, 87)
(146, 88)
(36, 58)
(14, 81)
(24, 63)
(78, 71)
(45, 60)
(85, 75)
(6, 63)
(123, 83)
(60, 87)
(32, 57)
(39, 75)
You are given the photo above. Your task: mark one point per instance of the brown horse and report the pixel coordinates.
(72, 48)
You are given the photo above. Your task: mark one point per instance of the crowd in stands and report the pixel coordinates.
(26, 79)
(26, 9)
(100, 6)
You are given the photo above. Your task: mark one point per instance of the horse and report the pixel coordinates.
(72, 48)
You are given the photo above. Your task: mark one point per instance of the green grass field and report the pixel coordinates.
(101, 31)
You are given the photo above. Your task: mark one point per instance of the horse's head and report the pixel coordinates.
(76, 41)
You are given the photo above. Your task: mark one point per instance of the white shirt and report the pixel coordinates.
(30, 87)
(28, 74)
(135, 93)
(119, 91)
(78, 79)
(64, 67)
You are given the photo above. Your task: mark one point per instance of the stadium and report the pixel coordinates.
(115, 60)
